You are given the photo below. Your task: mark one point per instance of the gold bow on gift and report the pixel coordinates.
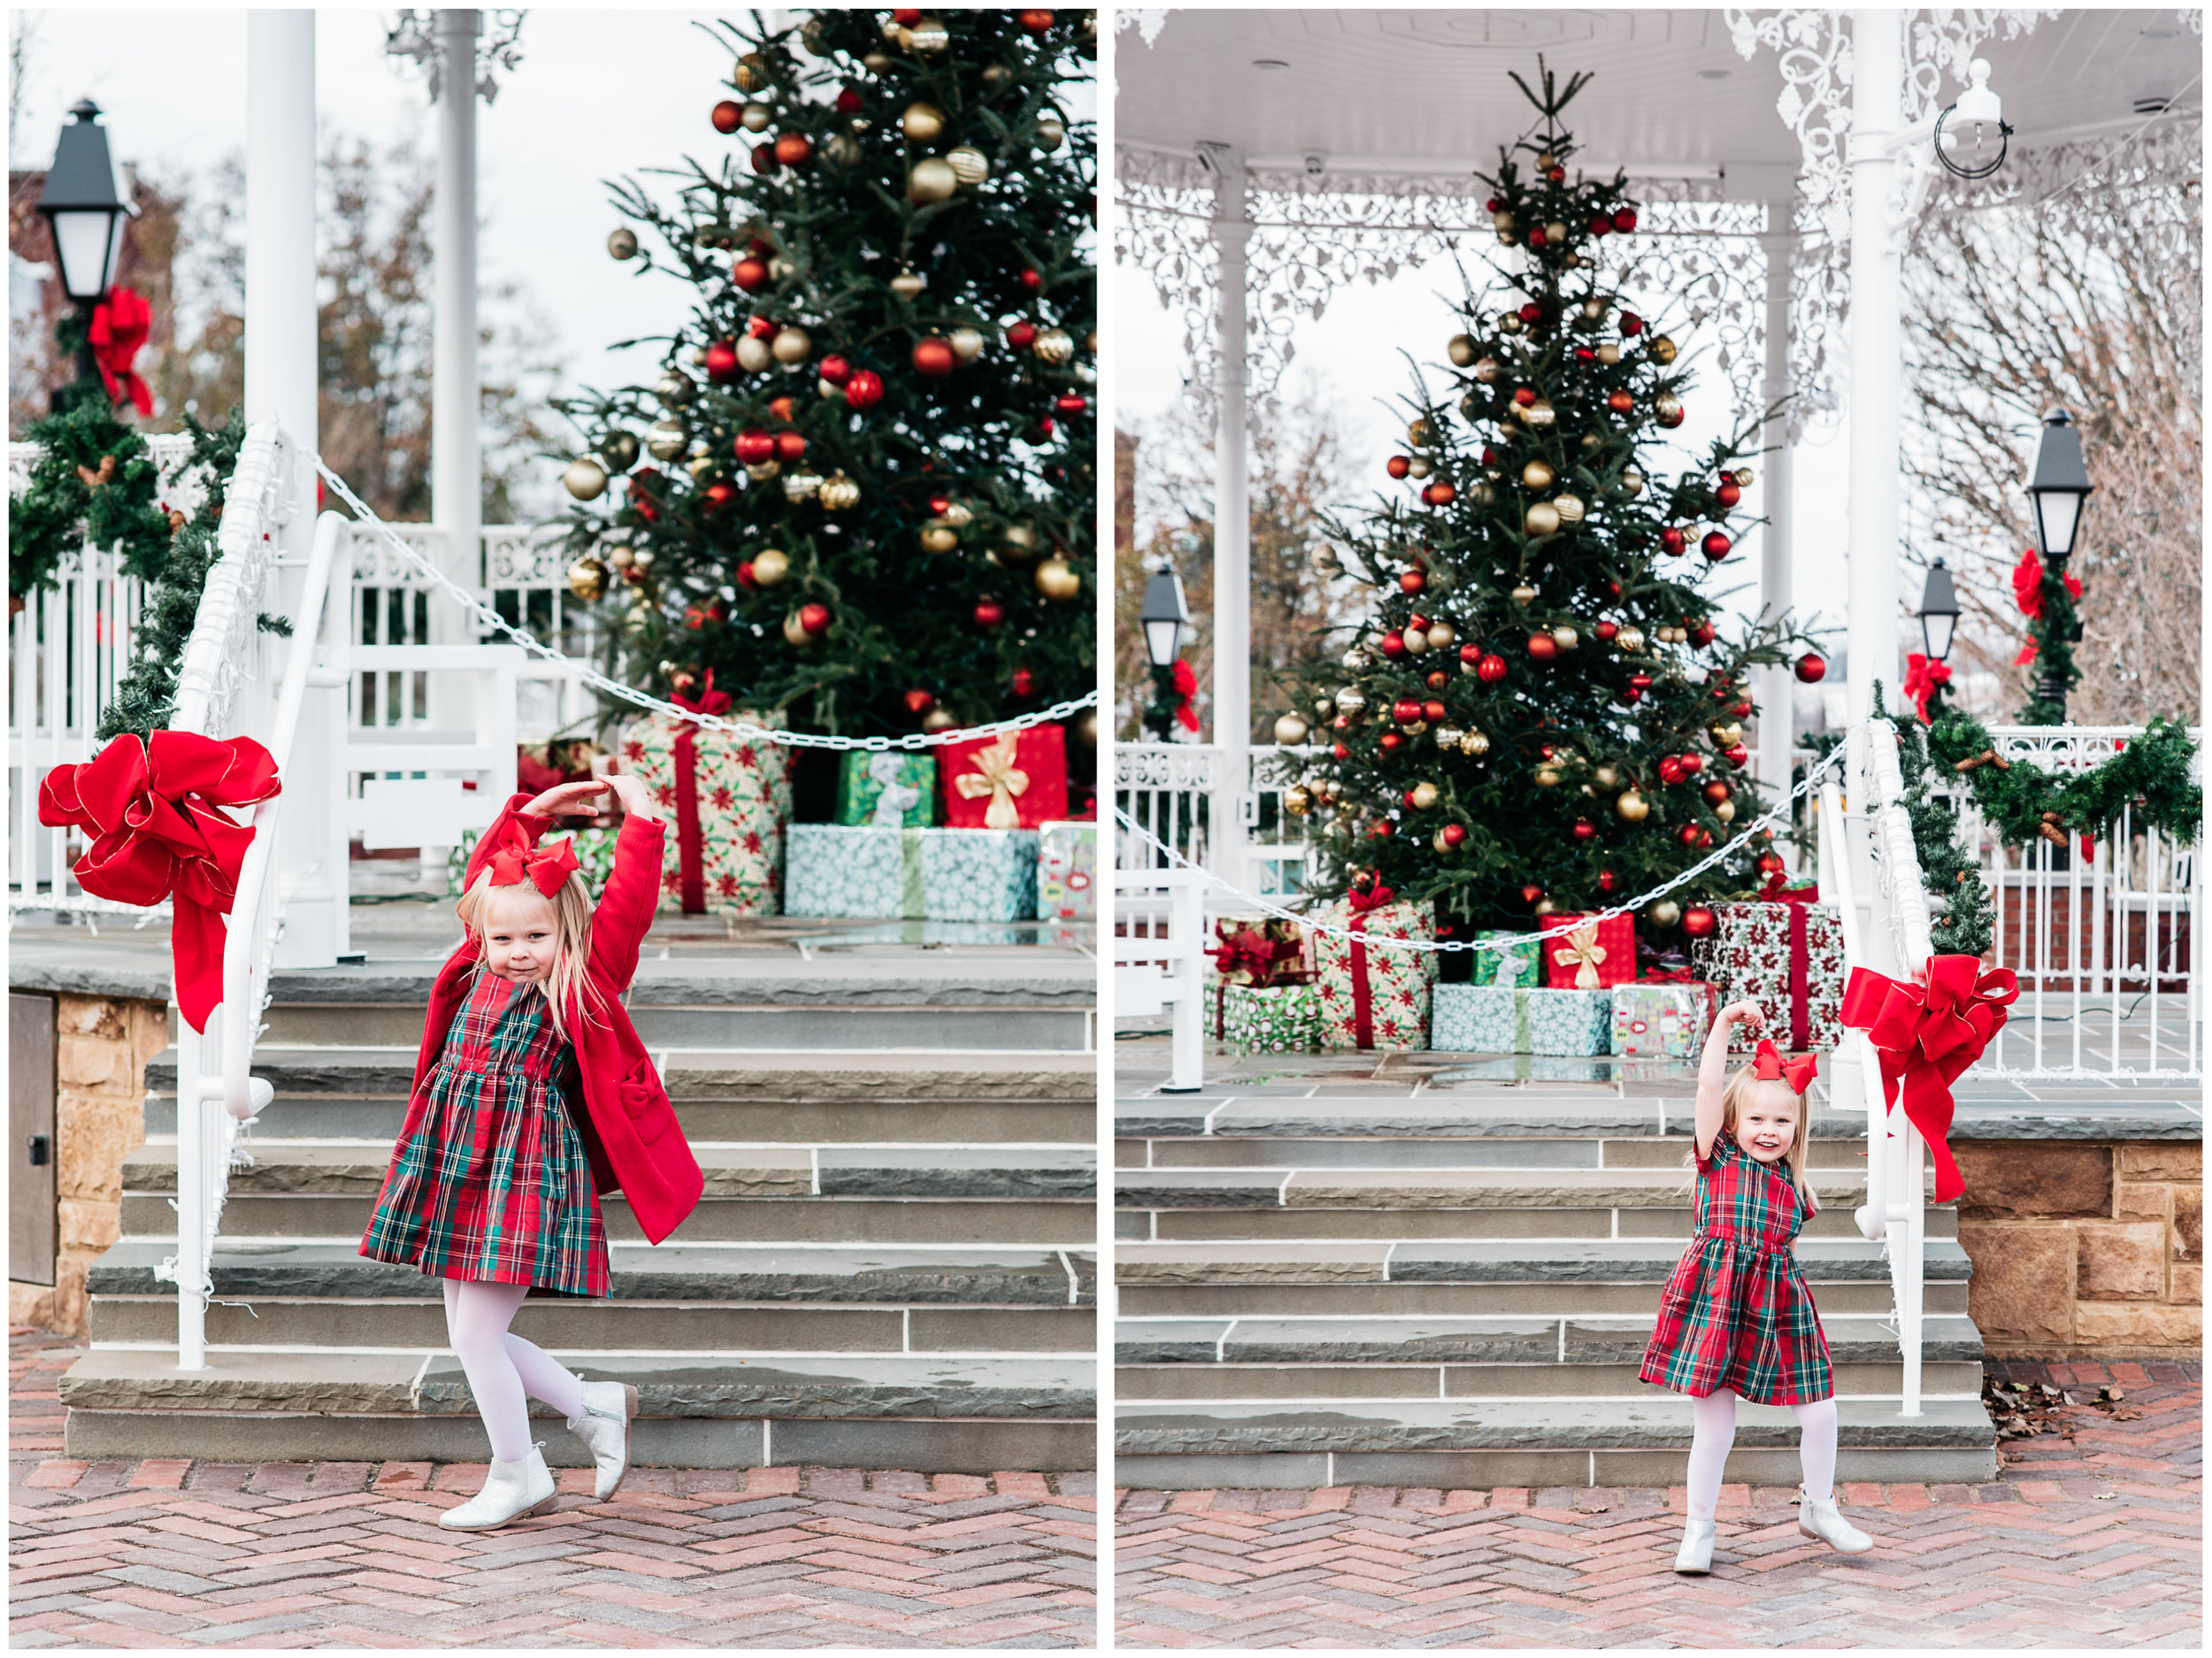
(995, 774)
(1581, 951)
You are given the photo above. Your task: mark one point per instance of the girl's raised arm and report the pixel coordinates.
(632, 893)
(1712, 1071)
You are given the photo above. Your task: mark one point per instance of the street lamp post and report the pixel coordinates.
(85, 213)
(2058, 487)
(1163, 616)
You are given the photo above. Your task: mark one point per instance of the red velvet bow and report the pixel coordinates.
(152, 808)
(1927, 1035)
(1768, 1066)
(1375, 898)
(2027, 587)
(120, 324)
(709, 702)
(546, 868)
(1922, 679)
(1186, 688)
(1255, 954)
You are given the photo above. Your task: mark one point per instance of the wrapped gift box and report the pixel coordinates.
(1596, 955)
(1510, 1020)
(979, 874)
(727, 800)
(1522, 964)
(1015, 780)
(1787, 956)
(863, 873)
(888, 789)
(1270, 1018)
(1067, 872)
(1654, 1019)
(595, 856)
(1372, 996)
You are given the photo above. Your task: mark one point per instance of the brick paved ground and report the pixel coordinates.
(347, 1554)
(2094, 1542)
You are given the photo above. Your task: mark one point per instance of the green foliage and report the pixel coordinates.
(67, 505)
(999, 452)
(1968, 924)
(2054, 633)
(1569, 736)
(2151, 775)
(147, 694)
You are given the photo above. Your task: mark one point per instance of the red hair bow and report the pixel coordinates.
(1768, 1066)
(546, 868)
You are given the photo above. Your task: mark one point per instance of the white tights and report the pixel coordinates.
(502, 1367)
(1715, 1435)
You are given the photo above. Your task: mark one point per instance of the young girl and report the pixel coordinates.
(1736, 1319)
(533, 1099)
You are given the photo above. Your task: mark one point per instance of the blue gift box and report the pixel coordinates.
(857, 872)
(1508, 1019)
(979, 874)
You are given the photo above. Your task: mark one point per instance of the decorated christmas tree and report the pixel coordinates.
(860, 491)
(1541, 715)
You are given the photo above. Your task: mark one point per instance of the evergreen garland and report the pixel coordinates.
(2054, 632)
(1947, 870)
(95, 484)
(2021, 803)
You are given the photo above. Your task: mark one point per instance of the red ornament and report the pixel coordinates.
(1688, 835)
(1672, 538)
(793, 150)
(1532, 892)
(934, 357)
(790, 446)
(1407, 798)
(1071, 403)
(988, 613)
(1454, 834)
(1728, 493)
(1693, 764)
(1536, 236)
(1042, 431)
(847, 101)
(1438, 681)
(784, 409)
(906, 17)
(1613, 587)
(1439, 494)
(1625, 219)
(728, 116)
(814, 619)
(763, 159)
(751, 273)
(1585, 830)
(1542, 646)
(1382, 831)
(1670, 769)
(697, 616)
(1621, 403)
(1701, 633)
(722, 361)
(1432, 711)
(919, 701)
(1398, 465)
(1699, 922)
(864, 389)
(1631, 325)
(1718, 790)
(745, 577)
(1737, 755)
(1607, 631)
(761, 327)
(1716, 545)
(720, 494)
(1022, 335)
(1025, 682)
(1670, 421)
(1525, 396)
(1600, 225)
(1036, 22)
(834, 369)
(1491, 668)
(1405, 710)
(1394, 644)
(1770, 864)
(1410, 581)
(1607, 880)
(941, 504)
(1811, 668)
(1031, 278)
(1391, 742)
(1532, 312)
(1339, 751)
(1584, 354)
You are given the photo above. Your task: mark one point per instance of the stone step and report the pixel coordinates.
(1556, 1264)
(1227, 1152)
(1299, 1226)
(1477, 1443)
(1315, 1383)
(1041, 1029)
(1500, 1189)
(930, 1414)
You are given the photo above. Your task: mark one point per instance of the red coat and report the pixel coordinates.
(629, 1128)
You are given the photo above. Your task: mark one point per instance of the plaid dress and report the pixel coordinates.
(493, 1185)
(1737, 1313)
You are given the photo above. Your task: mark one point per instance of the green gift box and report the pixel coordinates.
(886, 790)
(1510, 1019)
(1270, 1018)
(1520, 963)
(595, 856)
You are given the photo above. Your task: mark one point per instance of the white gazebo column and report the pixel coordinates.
(1877, 344)
(1233, 556)
(457, 487)
(1775, 686)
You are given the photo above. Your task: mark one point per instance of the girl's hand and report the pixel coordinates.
(635, 802)
(1742, 1013)
(564, 798)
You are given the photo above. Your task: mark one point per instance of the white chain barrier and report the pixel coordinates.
(1501, 946)
(591, 676)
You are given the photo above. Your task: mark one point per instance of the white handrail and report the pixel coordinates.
(1182, 955)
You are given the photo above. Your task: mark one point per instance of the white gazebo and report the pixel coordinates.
(1267, 158)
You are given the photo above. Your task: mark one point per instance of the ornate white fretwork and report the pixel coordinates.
(1148, 21)
(217, 656)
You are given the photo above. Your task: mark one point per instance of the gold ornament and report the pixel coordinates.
(1536, 475)
(622, 242)
(1725, 811)
(1609, 353)
(1421, 434)
(1666, 406)
(1540, 415)
(1547, 776)
(1020, 540)
(1291, 730)
(1057, 580)
(843, 149)
(756, 116)
(876, 63)
(1424, 795)
(1744, 477)
(801, 486)
(1525, 595)
(969, 165)
(1442, 634)
(1664, 914)
(1543, 518)
(1593, 310)
(703, 466)
(674, 388)
(761, 472)
(908, 284)
(1084, 726)
(1487, 369)
(937, 536)
(1509, 323)
(1606, 776)
(753, 355)
(1355, 659)
(1461, 349)
(1474, 745)
(621, 558)
(587, 579)
(1418, 466)
(585, 479)
(1725, 735)
(794, 633)
(932, 181)
(642, 559)
(791, 346)
(1570, 509)
(1566, 637)
(1631, 806)
(1632, 482)
(751, 74)
(666, 440)
(1661, 348)
(922, 123)
(1298, 800)
(1546, 161)
(839, 494)
(771, 566)
(1417, 640)
(929, 36)
(1350, 700)
(1556, 232)
(967, 344)
(1448, 738)
(1629, 641)
(1481, 494)
(1054, 346)
(619, 449)
(1050, 134)
(939, 719)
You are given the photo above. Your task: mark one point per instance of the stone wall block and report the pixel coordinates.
(2121, 1260)
(2139, 1324)
(2188, 1286)
(2176, 1161)
(96, 1064)
(93, 1134)
(92, 1015)
(2032, 1180)
(2022, 1282)
(88, 1227)
(2142, 1202)
(2189, 1223)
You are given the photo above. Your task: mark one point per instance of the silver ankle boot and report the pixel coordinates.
(604, 1425)
(1695, 1558)
(1823, 1521)
(512, 1491)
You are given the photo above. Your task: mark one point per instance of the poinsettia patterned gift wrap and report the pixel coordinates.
(888, 789)
(1270, 1018)
(1785, 957)
(725, 799)
(862, 873)
(1371, 995)
(595, 856)
(1662, 1019)
(1067, 872)
(1521, 960)
(979, 874)
(1508, 1019)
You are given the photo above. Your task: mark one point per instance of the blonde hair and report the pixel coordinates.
(1733, 1100)
(568, 987)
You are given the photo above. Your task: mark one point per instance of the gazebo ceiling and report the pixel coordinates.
(1421, 91)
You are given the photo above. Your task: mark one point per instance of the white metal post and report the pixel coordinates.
(1232, 551)
(1776, 695)
(1186, 928)
(1877, 43)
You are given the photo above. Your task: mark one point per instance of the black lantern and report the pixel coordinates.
(1939, 611)
(1165, 616)
(85, 215)
(2060, 484)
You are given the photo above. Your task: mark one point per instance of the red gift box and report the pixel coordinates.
(1015, 780)
(1596, 955)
